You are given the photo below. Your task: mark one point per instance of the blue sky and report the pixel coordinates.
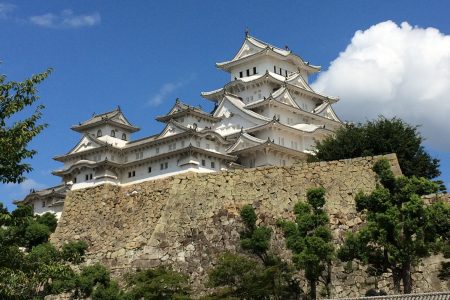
(142, 55)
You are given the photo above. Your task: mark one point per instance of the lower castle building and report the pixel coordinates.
(266, 115)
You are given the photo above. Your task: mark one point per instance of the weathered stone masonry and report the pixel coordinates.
(187, 220)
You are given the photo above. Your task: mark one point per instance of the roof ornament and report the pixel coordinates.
(177, 100)
(286, 47)
(274, 118)
(93, 114)
(118, 108)
(247, 32)
(242, 129)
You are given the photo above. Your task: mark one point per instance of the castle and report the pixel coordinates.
(266, 115)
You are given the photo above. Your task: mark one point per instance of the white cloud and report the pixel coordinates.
(167, 89)
(394, 70)
(66, 19)
(6, 9)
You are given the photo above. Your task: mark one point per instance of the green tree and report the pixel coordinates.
(160, 283)
(310, 240)
(264, 276)
(377, 137)
(14, 138)
(400, 228)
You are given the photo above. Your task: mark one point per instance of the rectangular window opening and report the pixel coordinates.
(254, 70)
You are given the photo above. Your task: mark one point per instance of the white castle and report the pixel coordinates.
(266, 115)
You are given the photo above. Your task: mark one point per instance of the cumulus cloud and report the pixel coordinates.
(167, 89)
(66, 19)
(6, 9)
(394, 70)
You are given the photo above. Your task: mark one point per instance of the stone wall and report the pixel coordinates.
(188, 220)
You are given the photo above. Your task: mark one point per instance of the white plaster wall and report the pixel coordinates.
(38, 209)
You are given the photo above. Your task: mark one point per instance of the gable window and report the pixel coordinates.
(254, 70)
(99, 133)
(241, 74)
(124, 136)
(113, 133)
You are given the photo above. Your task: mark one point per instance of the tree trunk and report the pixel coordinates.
(406, 278)
(397, 278)
(312, 289)
(328, 280)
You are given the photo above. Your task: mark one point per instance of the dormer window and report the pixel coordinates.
(99, 133)
(124, 136)
(113, 133)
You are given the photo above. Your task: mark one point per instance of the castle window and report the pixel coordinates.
(280, 71)
(90, 176)
(198, 144)
(241, 74)
(203, 162)
(161, 166)
(75, 180)
(213, 165)
(285, 71)
(254, 70)
(157, 150)
(248, 72)
(87, 177)
(43, 203)
(131, 174)
(124, 136)
(274, 69)
(166, 165)
(149, 169)
(99, 133)
(113, 133)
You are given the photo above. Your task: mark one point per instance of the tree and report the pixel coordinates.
(14, 138)
(160, 283)
(310, 240)
(400, 229)
(377, 137)
(264, 276)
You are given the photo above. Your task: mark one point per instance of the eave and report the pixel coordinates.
(273, 146)
(190, 148)
(271, 101)
(188, 111)
(84, 127)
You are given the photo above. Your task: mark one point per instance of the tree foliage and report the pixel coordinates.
(377, 137)
(15, 135)
(160, 283)
(263, 276)
(310, 240)
(400, 229)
